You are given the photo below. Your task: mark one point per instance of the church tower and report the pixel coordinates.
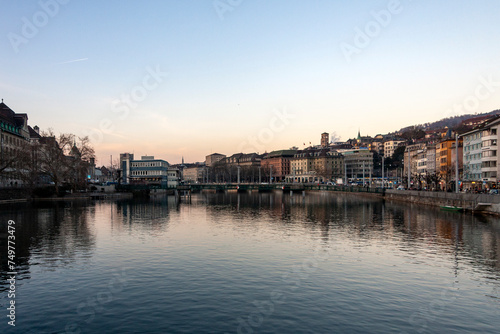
(324, 139)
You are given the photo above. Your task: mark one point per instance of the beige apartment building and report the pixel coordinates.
(316, 166)
(213, 158)
(390, 146)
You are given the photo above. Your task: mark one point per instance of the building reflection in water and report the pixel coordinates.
(474, 239)
(54, 235)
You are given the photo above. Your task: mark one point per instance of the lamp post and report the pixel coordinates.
(456, 163)
(363, 173)
(382, 172)
(1, 152)
(409, 169)
(370, 182)
(1, 144)
(345, 173)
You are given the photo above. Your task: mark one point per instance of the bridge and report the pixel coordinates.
(264, 187)
(187, 189)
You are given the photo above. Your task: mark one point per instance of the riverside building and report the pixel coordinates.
(480, 155)
(148, 171)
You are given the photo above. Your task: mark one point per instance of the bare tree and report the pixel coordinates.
(324, 171)
(8, 162)
(112, 169)
(28, 168)
(52, 160)
(63, 159)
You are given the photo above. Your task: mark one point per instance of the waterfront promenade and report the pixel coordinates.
(477, 203)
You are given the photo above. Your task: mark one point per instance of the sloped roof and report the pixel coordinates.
(478, 119)
(281, 153)
(7, 114)
(491, 121)
(33, 133)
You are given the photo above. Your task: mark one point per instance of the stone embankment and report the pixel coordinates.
(485, 203)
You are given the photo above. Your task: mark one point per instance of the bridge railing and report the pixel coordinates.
(279, 186)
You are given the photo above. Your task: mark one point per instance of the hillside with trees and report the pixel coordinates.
(448, 122)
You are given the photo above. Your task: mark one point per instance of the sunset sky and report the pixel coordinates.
(190, 78)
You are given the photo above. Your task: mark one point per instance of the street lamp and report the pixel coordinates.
(409, 169)
(382, 172)
(456, 163)
(1, 151)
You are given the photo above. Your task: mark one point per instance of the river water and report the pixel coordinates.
(250, 263)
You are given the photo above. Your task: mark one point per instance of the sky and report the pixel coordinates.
(189, 78)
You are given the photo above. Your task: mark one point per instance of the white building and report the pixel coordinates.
(418, 159)
(430, 152)
(489, 154)
(480, 155)
(358, 163)
(148, 170)
(472, 156)
(422, 161)
(390, 146)
(173, 177)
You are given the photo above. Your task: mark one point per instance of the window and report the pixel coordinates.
(492, 142)
(489, 164)
(489, 174)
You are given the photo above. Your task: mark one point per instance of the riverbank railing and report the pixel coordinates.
(285, 187)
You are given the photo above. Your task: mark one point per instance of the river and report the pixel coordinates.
(249, 263)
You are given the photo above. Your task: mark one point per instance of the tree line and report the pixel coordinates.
(51, 160)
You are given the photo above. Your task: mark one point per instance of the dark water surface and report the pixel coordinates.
(251, 263)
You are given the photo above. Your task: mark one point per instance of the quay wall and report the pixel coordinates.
(464, 200)
(12, 194)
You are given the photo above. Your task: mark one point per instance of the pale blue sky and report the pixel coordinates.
(227, 77)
